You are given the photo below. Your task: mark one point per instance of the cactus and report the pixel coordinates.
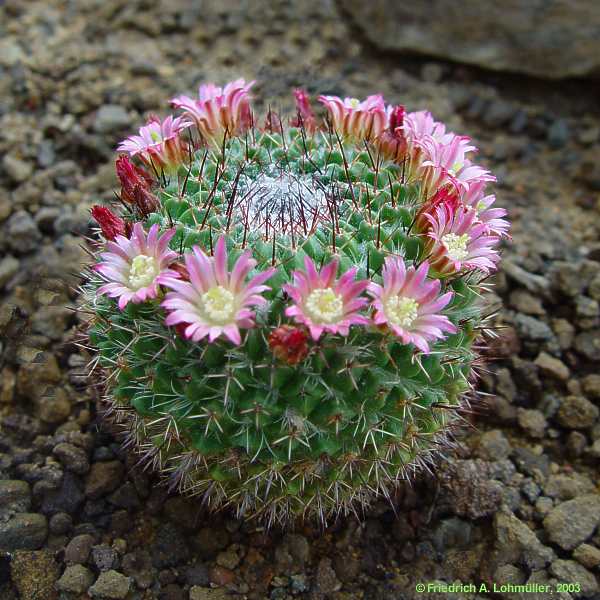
(286, 315)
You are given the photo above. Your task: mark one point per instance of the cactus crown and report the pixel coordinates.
(285, 314)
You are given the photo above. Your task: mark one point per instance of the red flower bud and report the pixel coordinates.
(305, 116)
(110, 224)
(131, 177)
(289, 344)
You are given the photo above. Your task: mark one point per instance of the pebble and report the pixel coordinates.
(587, 343)
(577, 412)
(493, 445)
(55, 407)
(558, 133)
(72, 458)
(103, 478)
(326, 581)
(111, 585)
(104, 558)
(573, 522)
(170, 547)
(202, 593)
(587, 555)
(570, 571)
(517, 544)
(23, 531)
(78, 549)
(567, 487)
(111, 118)
(22, 233)
(553, 367)
(17, 169)
(60, 523)
(15, 496)
(67, 498)
(533, 329)
(532, 421)
(9, 267)
(75, 580)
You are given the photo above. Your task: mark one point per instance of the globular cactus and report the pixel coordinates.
(285, 314)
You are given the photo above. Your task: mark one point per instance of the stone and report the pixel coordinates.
(202, 593)
(104, 558)
(22, 233)
(208, 541)
(103, 478)
(467, 491)
(170, 547)
(34, 574)
(587, 343)
(533, 329)
(326, 581)
(60, 523)
(78, 549)
(569, 571)
(489, 35)
(526, 302)
(111, 118)
(577, 412)
(591, 386)
(567, 487)
(16, 168)
(532, 421)
(24, 531)
(111, 585)
(493, 445)
(54, 408)
(75, 580)
(197, 575)
(15, 496)
(9, 267)
(72, 458)
(516, 543)
(553, 367)
(572, 522)
(67, 498)
(221, 576)
(587, 555)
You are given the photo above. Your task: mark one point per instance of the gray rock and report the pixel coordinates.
(488, 35)
(104, 558)
(103, 478)
(553, 367)
(493, 445)
(75, 580)
(587, 343)
(67, 498)
(17, 169)
(15, 496)
(591, 386)
(532, 421)
(326, 581)
(567, 487)
(60, 523)
(577, 412)
(72, 458)
(22, 233)
(170, 547)
(78, 549)
(9, 267)
(111, 585)
(587, 555)
(202, 593)
(111, 118)
(197, 575)
(533, 329)
(24, 531)
(558, 133)
(516, 543)
(569, 571)
(572, 522)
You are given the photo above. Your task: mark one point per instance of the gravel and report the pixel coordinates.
(516, 502)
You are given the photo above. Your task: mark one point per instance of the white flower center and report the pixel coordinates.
(456, 245)
(401, 310)
(325, 306)
(455, 168)
(219, 304)
(142, 272)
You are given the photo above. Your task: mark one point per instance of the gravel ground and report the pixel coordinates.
(518, 503)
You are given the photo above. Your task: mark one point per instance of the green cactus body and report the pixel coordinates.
(236, 424)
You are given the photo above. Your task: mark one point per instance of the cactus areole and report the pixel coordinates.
(285, 309)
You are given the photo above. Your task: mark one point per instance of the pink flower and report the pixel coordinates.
(110, 225)
(473, 197)
(419, 125)
(446, 164)
(159, 144)
(214, 301)
(447, 197)
(134, 266)
(305, 116)
(323, 303)
(408, 304)
(219, 110)
(456, 240)
(352, 118)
